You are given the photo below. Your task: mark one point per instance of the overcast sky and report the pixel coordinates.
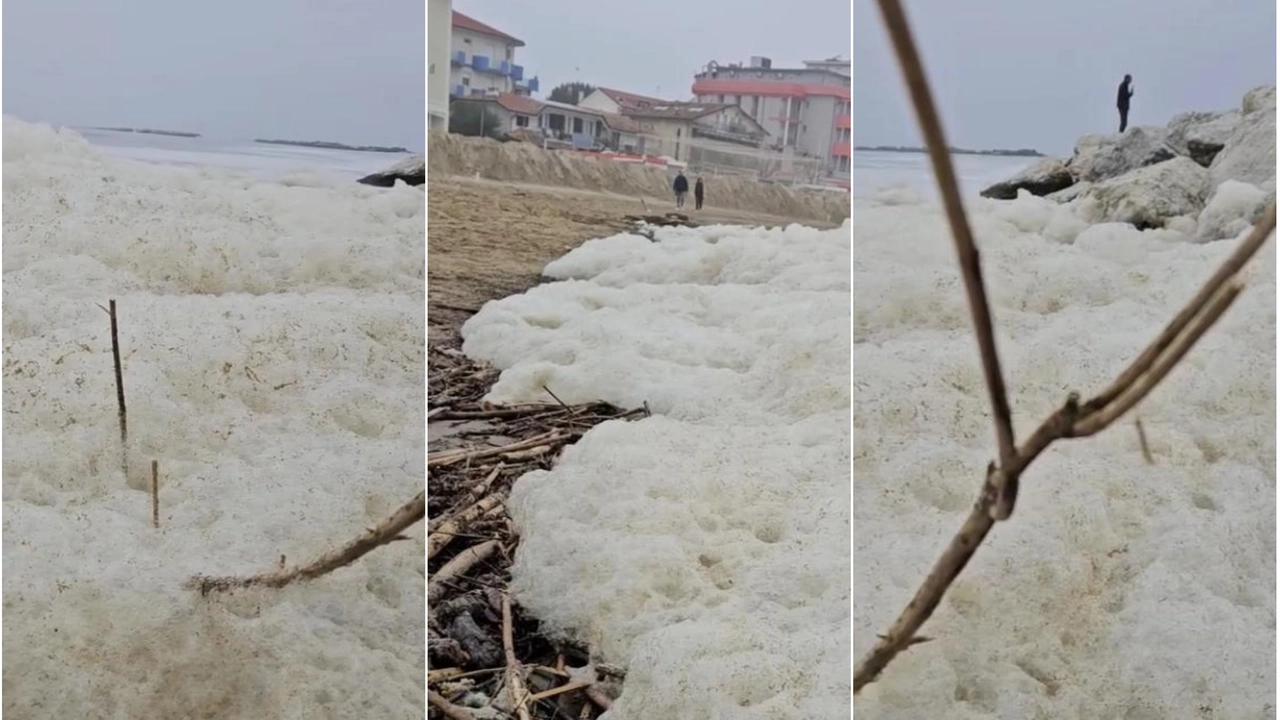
(655, 48)
(1040, 74)
(343, 70)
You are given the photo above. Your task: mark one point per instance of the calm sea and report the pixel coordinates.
(246, 156)
(873, 171)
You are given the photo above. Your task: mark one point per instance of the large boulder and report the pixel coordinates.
(1201, 135)
(1249, 154)
(1041, 178)
(1102, 157)
(1259, 98)
(1229, 211)
(1074, 192)
(1150, 196)
(412, 171)
(1267, 201)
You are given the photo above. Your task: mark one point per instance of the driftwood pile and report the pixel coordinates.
(487, 660)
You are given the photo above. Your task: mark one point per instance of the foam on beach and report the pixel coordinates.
(1118, 589)
(273, 364)
(707, 547)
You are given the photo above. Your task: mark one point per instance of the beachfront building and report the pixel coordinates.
(805, 110)
(559, 123)
(686, 131)
(483, 61)
(439, 23)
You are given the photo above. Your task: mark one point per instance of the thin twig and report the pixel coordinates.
(560, 690)
(384, 532)
(598, 697)
(155, 493)
(557, 398)
(918, 85)
(121, 414)
(1072, 420)
(448, 709)
(459, 564)
(515, 681)
(437, 540)
(1142, 442)
(474, 496)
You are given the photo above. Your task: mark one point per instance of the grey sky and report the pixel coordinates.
(655, 48)
(1040, 74)
(342, 70)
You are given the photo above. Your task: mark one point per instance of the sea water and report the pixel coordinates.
(874, 171)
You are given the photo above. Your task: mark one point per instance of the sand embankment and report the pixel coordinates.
(525, 163)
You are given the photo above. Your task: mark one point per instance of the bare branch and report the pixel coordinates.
(1072, 420)
(384, 532)
(918, 85)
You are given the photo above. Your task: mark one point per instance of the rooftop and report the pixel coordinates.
(628, 100)
(466, 22)
(676, 110)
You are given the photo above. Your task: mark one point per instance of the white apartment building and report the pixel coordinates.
(439, 32)
(482, 61)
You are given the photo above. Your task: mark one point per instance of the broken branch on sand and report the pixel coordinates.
(1073, 420)
(384, 532)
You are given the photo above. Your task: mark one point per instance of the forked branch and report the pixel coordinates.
(1073, 419)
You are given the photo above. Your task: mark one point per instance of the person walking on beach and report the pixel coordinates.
(698, 192)
(1122, 101)
(681, 186)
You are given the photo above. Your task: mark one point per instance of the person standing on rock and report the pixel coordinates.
(681, 186)
(1122, 101)
(698, 192)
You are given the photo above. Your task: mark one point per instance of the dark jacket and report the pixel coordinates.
(697, 188)
(681, 184)
(1122, 95)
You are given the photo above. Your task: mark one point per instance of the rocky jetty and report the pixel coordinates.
(1211, 171)
(412, 171)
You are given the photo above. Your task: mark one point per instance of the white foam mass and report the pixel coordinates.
(273, 340)
(705, 547)
(1118, 589)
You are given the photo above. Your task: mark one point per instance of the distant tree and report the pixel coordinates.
(570, 92)
(475, 119)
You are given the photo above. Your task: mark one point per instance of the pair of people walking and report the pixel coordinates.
(681, 187)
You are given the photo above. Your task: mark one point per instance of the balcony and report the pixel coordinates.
(840, 149)
(480, 63)
(504, 67)
(457, 91)
(459, 58)
(842, 122)
(533, 85)
(517, 72)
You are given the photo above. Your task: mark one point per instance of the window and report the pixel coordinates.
(466, 81)
(721, 100)
(466, 41)
(522, 121)
(510, 53)
(577, 125)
